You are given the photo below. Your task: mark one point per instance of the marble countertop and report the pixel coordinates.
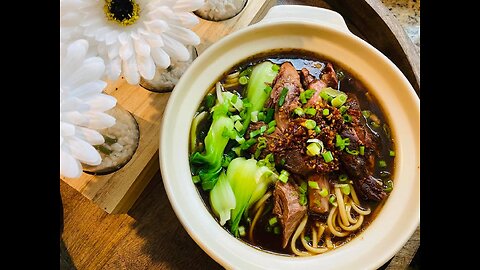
(407, 13)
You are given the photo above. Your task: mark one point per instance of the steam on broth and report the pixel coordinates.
(291, 153)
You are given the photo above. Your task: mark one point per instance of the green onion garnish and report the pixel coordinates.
(309, 93)
(246, 72)
(298, 111)
(270, 130)
(276, 230)
(234, 99)
(283, 176)
(283, 94)
(241, 230)
(239, 139)
(323, 192)
(366, 113)
(103, 149)
(343, 109)
(325, 96)
(272, 221)
(246, 103)
(248, 143)
(261, 116)
(196, 179)
(374, 124)
(342, 177)
(317, 129)
(391, 153)
(254, 116)
(238, 126)
(313, 149)
(341, 143)
(361, 150)
(235, 117)
(310, 124)
(339, 100)
(302, 199)
(268, 90)
(347, 118)
(313, 184)
(327, 156)
(307, 238)
(351, 152)
(333, 199)
(384, 174)
(269, 116)
(382, 163)
(210, 101)
(303, 99)
(345, 188)
(310, 111)
(275, 67)
(388, 186)
(325, 112)
(272, 123)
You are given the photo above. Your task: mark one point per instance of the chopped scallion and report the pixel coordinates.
(235, 117)
(196, 179)
(343, 178)
(366, 113)
(323, 192)
(310, 111)
(313, 184)
(283, 94)
(302, 199)
(333, 199)
(339, 100)
(272, 123)
(261, 116)
(298, 111)
(246, 72)
(347, 118)
(361, 150)
(374, 124)
(268, 90)
(388, 186)
(238, 126)
(247, 144)
(325, 112)
(343, 109)
(309, 93)
(272, 221)
(241, 230)
(269, 116)
(283, 176)
(351, 152)
(327, 156)
(391, 153)
(310, 124)
(317, 129)
(254, 116)
(275, 67)
(276, 230)
(270, 130)
(382, 163)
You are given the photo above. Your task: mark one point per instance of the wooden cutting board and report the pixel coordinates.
(116, 192)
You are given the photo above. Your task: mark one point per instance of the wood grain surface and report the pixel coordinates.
(148, 235)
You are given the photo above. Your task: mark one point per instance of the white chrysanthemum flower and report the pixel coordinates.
(82, 107)
(134, 37)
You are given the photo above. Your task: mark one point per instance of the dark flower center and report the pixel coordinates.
(124, 12)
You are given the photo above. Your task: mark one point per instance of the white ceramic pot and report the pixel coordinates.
(324, 32)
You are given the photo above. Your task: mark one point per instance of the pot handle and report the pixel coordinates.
(282, 13)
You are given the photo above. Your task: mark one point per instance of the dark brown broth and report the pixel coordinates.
(269, 241)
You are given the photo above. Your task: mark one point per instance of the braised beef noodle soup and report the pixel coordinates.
(291, 153)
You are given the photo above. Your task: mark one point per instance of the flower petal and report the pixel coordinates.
(89, 88)
(91, 136)
(98, 120)
(146, 67)
(187, 19)
(112, 50)
(69, 166)
(175, 49)
(83, 151)
(100, 102)
(126, 48)
(160, 57)
(188, 5)
(130, 71)
(141, 47)
(184, 35)
(156, 25)
(91, 69)
(114, 69)
(74, 55)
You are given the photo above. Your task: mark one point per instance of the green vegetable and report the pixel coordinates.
(339, 100)
(382, 164)
(193, 130)
(388, 186)
(345, 188)
(103, 149)
(310, 111)
(215, 143)
(269, 116)
(343, 109)
(351, 152)
(361, 150)
(283, 94)
(243, 80)
(276, 230)
(241, 231)
(196, 179)
(270, 130)
(327, 156)
(109, 140)
(374, 124)
(326, 112)
(272, 221)
(342, 177)
(262, 143)
(275, 67)
(303, 99)
(317, 130)
(310, 124)
(249, 183)
(333, 199)
(261, 76)
(298, 111)
(314, 149)
(284, 176)
(366, 113)
(210, 101)
(341, 143)
(309, 93)
(313, 184)
(391, 153)
(246, 72)
(323, 192)
(222, 199)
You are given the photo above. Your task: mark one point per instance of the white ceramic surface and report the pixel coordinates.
(324, 32)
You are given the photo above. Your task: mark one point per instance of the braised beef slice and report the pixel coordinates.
(288, 208)
(327, 79)
(316, 203)
(288, 78)
(361, 167)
